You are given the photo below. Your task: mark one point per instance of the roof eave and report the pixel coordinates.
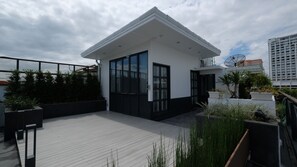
(153, 14)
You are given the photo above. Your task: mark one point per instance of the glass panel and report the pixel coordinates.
(156, 94)
(119, 75)
(143, 72)
(163, 71)
(125, 79)
(163, 83)
(163, 93)
(112, 80)
(112, 65)
(133, 74)
(156, 83)
(156, 70)
(195, 84)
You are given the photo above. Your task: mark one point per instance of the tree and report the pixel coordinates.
(59, 88)
(28, 88)
(225, 79)
(40, 88)
(49, 88)
(232, 78)
(14, 85)
(262, 80)
(235, 77)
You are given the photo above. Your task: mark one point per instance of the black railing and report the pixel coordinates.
(291, 114)
(40, 64)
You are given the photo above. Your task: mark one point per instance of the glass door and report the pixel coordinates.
(161, 87)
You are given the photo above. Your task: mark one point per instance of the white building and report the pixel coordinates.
(282, 60)
(151, 67)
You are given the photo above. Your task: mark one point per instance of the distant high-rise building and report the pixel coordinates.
(283, 60)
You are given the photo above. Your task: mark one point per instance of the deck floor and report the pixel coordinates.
(92, 139)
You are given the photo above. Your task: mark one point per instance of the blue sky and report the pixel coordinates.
(59, 30)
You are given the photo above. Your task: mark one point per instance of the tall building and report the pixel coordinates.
(283, 60)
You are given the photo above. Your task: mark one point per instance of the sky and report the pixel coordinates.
(60, 30)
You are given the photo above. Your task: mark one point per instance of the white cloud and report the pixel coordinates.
(61, 30)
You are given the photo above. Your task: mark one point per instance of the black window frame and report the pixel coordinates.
(168, 89)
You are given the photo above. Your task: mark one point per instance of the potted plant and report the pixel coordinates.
(231, 79)
(20, 108)
(262, 89)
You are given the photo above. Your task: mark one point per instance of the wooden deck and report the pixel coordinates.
(91, 139)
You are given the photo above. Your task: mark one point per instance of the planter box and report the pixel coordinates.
(215, 95)
(263, 140)
(241, 152)
(72, 108)
(15, 120)
(261, 96)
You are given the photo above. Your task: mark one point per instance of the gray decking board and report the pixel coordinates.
(88, 140)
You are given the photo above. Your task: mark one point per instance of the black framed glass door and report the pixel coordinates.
(128, 85)
(200, 85)
(161, 87)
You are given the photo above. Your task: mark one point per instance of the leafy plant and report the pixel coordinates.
(262, 80)
(20, 103)
(59, 88)
(158, 157)
(40, 87)
(232, 78)
(209, 145)
(114, 162)
(225, 79)
(281, 112)
(49, 87)
(14, 84)
(28, 88)
(244, 112)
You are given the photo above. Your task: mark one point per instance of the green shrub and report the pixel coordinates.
(19, 103)
(244, 112)
(28, 88)
(58, 88)
(210, 145)
(14, 85)
(158, 157)
(281, 111)
(40, 87)
(49, 88)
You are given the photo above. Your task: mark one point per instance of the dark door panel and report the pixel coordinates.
(128, 84)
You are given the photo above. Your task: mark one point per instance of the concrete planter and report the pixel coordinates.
(263, 140)
(261, 96)
(17, 120)
(72, 108)
(215, 95)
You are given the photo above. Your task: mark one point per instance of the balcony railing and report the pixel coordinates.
(208, 62)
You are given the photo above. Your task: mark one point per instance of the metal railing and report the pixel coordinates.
(40, 64)
(291, 114)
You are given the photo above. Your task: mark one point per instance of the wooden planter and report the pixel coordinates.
(241, 152)
(263, 139)
(261, 96)
(17, 120)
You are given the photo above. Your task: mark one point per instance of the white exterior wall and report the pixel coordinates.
(180, 66)
(105, 67)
